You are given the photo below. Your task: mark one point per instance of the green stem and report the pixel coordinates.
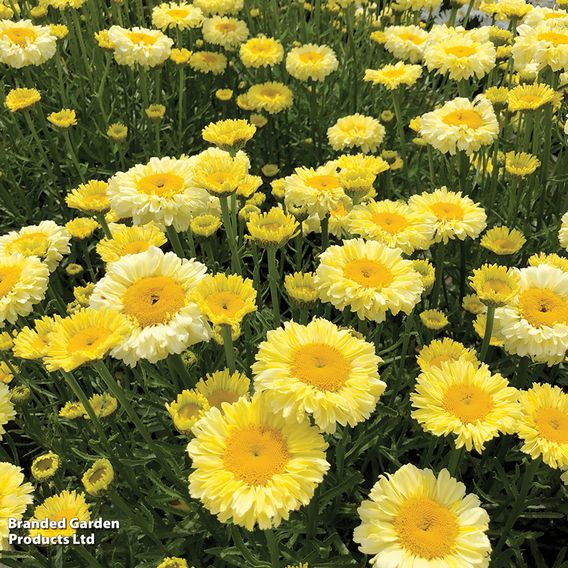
(439, 267)
(173, 237)
(454, 462)
(325, 232)
(273, 277)
(488, 332)
(229, 349)
(229, 230)
(103, 223)
(273, 548)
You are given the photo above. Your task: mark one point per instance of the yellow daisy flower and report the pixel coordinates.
(45, 466)
(219, 172)
(81, 228)
(229, 33)
(495, 285)
(271, 97)
(187, 409)
(406, 42)
(228, 134)
(440, 351)
(301, 288)
(177, 15)
(434, 319)
(89, 197)
(208, 62)
(139, 46)
(356, 131)
(550, 259)
(393, 76)
(15, 496)
(521, 164)
(311, 62)
(65, 118)
(533, 97)
(273, 229)
(223, 387)
(129, 240)
(503, 241)
(32, 343)
(21, 99)
(22, 43)
(7, 411)
(98, 478)
(261, 51)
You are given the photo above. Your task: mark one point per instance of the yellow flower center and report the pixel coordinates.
(44, 464)
(323, 182)
(437, 361)
(552, 424)
(255, 454)
(531, 100)
(469, 403)
(88, 340)
(390, 222)
(153, 300)
(30, 244)
(9, 276)
(226, 27)
(163, 185)
(554, 15)
(217, 398)
(497, 286)
(461, 50)
(543, 307)
(504, 245)
(554, 38)
(135, 247)
(447, 211)
(96, 200)
(426, 528)
(368, 273)
(141, 37)
(177, 13)
(225, 303)
(394, 73)
(311, 57)
(464, 117)
(321, 366)
(97, 475)
(20, 36)
(188, 411)
(413, 38)
(269, 93)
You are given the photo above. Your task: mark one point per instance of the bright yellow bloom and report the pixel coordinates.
(311, 62)
(497, 96)
(187, 409)
(205, 225)
(434, 319)
(545, 44)
(219, 172)
(551, 259)
(155, 112)
(495, 285)
(533, 97)
(117, 132)
(45, 466)
(82, 227)
(22, 43)
(544, 424)
(228, 134)
(369, 278)
(225, 95)
(225, 299)
(427, 272)
(98, 478)
(320, 370)
(270, 97)
(393, 76)
(406, 42)
(261, 51)
(63, 119)
(173, 562)
(21, 99)
(222, 387)
(177, 15)
(521, 164)
(356, 131)
(229, 33)
(72, 411)
(503, 241)
(208, 62)
(7, 412)
(15, 496)
(65, 506)
(248, 450)
(463, 398)
(301, 288)
(273, 229)
(129, 240)
(440, 351)
(103, 405)
(139, 46)
(221, 7)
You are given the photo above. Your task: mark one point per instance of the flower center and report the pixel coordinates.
(497, 286)
(153, 300)
(552, 424)
(20, 36)
(321, 366)
(437, 361)
(368, 273)
(543, 307)
(31, 244)
(135, 247)
(426, 528)
(163, 185)
(461, 50)
(311, 57)
(554, 38)
(177, 13)
(323, 182)
(219, 397)
(269, 93)
(255, 454)
(87, 339)
(393, 73)
(504, 244)
(44, 464)
(97, 475)
(409, 36)
(9, 276)
(225, 303)
(469, 403)
(390, 222)
(225, 27)
(447, 211)
(531, 99)
(464, 118)
(188, 411)
(141, 38)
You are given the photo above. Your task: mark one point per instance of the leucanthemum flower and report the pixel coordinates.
(521, 164)
(393, 223)
(45, 466)
(369, 278)
(272, 229)
(543, 426)
(440, 351)
(546, 44)
(503, 241)
(32, 343)
(393, 76)
(81, 228)
(320, 370)
(434, 320)
(208, 62)
(225, 299)
(406, 42)
(129, 240)
(472, 304)
(139, 46)
(7, 411)
(495, 285)
(466, 399)
(223, 387)
(98, 478)
(261, 51)
(525, 98)
(187, 409)
(21, 99)
(301, 288)
(271, 97)
(15, 496)
(23, 283)
(46, 241)
(252, 466)
(460, 125)
(415, 518)
(230, 134)
(85, 336)
(535, 323)
(319, 190)
(22, 43)
(221, 7)
(103, 406)
(205, 226)
(311, 62)
(179, 15)
(72, 410)
(153, 290)
(229, 33)
(551, 259)
(161, 191)
(65, 506)
(427, 272)
(63, 119)
(90, 197)
(358, 172)
(356, 131)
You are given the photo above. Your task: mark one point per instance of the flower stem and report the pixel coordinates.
(273, 277)
(229, 230)
(174, 241)
(488, 332)
(272, 545)
(229, 349)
